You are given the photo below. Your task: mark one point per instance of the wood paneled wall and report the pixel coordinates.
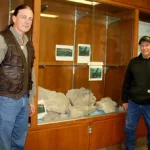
(139, 3)
(4, 14)
(143, 5)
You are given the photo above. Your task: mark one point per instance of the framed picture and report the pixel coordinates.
(95, 71)
(64, 53)
(84, 53)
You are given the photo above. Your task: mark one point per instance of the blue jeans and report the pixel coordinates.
(132, 118)
(13, 122)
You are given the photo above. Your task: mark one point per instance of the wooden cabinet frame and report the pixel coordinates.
(55, 135)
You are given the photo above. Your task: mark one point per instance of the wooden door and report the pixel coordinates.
(107, 132)
(111, 131)
(73, 137)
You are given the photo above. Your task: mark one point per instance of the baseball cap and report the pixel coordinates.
(144, 39)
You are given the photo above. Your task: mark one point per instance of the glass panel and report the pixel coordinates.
(63, 75)
(112, 40)
(82, 54)
(120, 24)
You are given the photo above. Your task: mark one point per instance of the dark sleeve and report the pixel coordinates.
(126, 84)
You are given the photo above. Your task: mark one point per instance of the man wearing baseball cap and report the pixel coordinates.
(136, 93)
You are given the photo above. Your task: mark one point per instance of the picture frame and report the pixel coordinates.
(64, 53)
(95, 71)
(84, 53)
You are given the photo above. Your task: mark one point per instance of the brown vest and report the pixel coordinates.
(15, 71)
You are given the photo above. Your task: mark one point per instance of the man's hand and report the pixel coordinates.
(31, 110)
(125, 106)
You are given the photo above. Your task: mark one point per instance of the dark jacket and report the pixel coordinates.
(15, 71)
(137, 81)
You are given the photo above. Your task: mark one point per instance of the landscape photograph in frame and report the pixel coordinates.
(64, 53)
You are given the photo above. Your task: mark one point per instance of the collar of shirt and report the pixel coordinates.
(141, 57)
(25, 38)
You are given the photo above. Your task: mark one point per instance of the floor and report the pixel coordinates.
(141, 144)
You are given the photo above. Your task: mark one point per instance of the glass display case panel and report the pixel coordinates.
(116, 41)
(62, 74)
(83, 51)
(119, 37)
(119, 47)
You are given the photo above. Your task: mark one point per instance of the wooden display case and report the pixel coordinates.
(114, 41)
(109, 31)
(111, 28)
